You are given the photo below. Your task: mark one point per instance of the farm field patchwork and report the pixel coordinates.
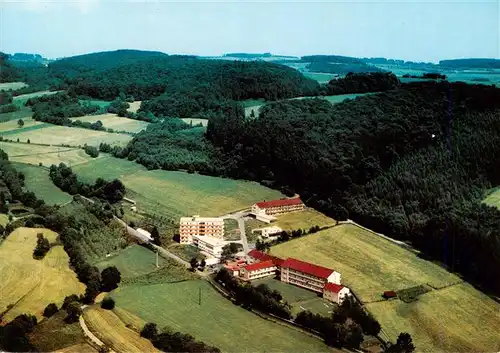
(303, 220)
(47, 155)
(113, 121)
(369, 264)
(37, 180)
(58, 135)
(29, 284)
(5, 86)
(299, 298)
(177, 306)
(132, 261)
(108, 327)
(180, 194)
(454, 319)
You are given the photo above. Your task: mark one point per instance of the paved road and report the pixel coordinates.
(238, 216)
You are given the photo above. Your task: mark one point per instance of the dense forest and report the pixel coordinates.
(404, 163)
(361, 83)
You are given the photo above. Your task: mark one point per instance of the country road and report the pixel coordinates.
(89, 333)
(238, 216)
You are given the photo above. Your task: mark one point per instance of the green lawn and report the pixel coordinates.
(299, 298)
(216, 321)
(38, 181)
(133, 261)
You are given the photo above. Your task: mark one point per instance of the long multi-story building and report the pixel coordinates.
(209, 245)
(276, 207)
(200, 226)
(258, 270)
(335, 292)
(306, 275)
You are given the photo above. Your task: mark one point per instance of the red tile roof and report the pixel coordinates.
(305, 267)
(259, 266)
(332, 287)
(278, 203)
(259, 255)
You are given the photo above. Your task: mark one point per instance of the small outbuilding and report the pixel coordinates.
(389, 294)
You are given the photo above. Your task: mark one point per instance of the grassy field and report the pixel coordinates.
(319, 76)
(111, 330)
(38, 181)
(370, 265)
(29, 284)
(454, 319)
(493, 198)
(299, 298)
(58, 135)
(106, 167)
(23, 98)
(113, 121)
(98, 102)
(12, 125)
(53, 334)
(177, 306)
(47, 155)
(203, 122)
(22, 113)
(133, 261)
(231, 230)
(134, 106)
(303, 220)
(4, 219)
(11, 85)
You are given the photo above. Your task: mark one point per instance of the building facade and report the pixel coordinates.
(306, 275)
(268, 231)
(335, 292)
(258, 270)
(277, 207)
(209, 245)
(200, 226)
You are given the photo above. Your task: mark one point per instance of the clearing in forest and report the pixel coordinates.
(115, 122)
(134, 106)
(59, 135)
(5, 86)
(37, 180)
(28, 284)
(303, 220)
(194, 307)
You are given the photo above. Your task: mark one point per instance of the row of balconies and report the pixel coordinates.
(305, 275)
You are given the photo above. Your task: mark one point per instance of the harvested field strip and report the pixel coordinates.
(108, 327)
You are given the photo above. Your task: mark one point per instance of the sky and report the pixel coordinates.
(410, 30)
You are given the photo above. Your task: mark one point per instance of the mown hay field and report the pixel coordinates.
(47, 155)
(112, 331)
(59, 135)
(303, 220)
(458, 318)
(134, 106)
(5, 86)
(37, 180)
(29, 284)
(370, 265)
(177, 306)
(106, 167)
(113, 121)
(12, 125)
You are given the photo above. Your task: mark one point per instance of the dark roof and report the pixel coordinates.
(305, 267)
(390, 293)
(278, 203)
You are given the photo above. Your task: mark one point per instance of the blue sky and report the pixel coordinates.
(410, 30)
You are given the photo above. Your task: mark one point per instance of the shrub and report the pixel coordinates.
(50, 310)
(108, 303)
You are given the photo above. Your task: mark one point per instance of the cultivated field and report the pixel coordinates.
(303, 220)
(370, 265)
(38, 181)
(134, 106)
(12, 125)
(106, 167)
(179, 194)
(133, 261)
(113, 121)
(454, 319)
(11, 85)
(29, 284)
(237, 330)
(47, 155)
(108, 327)
(58, 135)
(20, 100)
(300, 298)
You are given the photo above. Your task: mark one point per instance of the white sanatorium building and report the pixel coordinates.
(209, 245)
(200, 227)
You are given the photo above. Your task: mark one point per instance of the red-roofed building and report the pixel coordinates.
(257, 255)
(278, 206)
(258, 270)
(304, 274)
(335, 292)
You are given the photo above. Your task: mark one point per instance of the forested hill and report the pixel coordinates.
(411, 163)
(8, 72)
(471, 63)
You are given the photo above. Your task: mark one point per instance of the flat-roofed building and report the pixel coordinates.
(335, 292)
(200, 226)
(268, 231)
(276, 207)
(209, 245)
(258, 270)
(306, 275)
